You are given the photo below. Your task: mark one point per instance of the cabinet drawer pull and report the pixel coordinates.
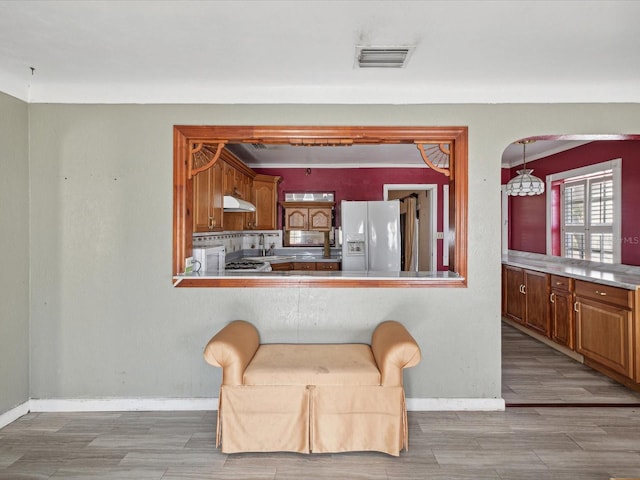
(598, 292)
(553, 298)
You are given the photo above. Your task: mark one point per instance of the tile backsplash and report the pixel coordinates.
(238, 241)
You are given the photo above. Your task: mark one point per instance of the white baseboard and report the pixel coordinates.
(15, 413)
(210, 404)
(186, 404)
(121, 404)
(455, 404)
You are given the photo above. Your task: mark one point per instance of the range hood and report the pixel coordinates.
(233, 204)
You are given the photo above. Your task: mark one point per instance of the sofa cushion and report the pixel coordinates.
(309, 364)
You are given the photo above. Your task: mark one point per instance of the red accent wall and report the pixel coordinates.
(527, 215)
(355, 184)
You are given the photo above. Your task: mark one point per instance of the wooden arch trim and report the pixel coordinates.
(203, 156)
(444, 148)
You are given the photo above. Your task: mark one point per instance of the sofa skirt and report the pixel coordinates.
(305, 419)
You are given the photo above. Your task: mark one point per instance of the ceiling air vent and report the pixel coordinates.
(383, 57)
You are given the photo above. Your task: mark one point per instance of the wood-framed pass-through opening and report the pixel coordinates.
(452, 141)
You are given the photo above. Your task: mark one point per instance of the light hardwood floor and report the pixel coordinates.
(521, 443)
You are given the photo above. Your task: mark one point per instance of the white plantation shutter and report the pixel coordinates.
(588, 217)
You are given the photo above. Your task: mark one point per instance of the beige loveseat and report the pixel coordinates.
(312, 397)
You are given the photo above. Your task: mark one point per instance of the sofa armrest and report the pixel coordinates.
(232, 348)
(394, 349)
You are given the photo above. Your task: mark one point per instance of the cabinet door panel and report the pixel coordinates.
(603, 334)
(537, 301)
(201, 201)
(296, 218)
(217, 181)
(319, 219)
(514, 297)
(562, 321)
(265, 197)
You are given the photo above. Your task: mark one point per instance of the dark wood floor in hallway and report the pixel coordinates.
(541, 443)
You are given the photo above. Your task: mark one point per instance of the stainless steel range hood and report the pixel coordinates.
(233, 204)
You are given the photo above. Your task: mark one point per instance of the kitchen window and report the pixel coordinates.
(589, 212)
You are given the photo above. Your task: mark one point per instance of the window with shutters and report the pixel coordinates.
(589, 213)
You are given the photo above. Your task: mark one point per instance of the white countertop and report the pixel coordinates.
(623, 276)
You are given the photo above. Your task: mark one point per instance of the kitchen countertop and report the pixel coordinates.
(305, 258)
(349, 275)
(623, 276)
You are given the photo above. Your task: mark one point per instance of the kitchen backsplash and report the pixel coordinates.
(237, 241)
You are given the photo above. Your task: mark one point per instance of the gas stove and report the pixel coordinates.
(247, 266)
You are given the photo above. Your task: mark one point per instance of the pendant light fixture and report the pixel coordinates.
(524, 183)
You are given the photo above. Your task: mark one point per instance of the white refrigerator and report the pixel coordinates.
(370, 236)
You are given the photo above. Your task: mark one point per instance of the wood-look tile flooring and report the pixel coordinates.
(561, 443)
(534, 373)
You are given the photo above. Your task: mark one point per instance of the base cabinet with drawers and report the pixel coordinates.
(305, 266)
(604, 327)
(562, 319)
(597, 321)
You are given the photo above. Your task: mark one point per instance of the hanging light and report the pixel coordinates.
(524, 183)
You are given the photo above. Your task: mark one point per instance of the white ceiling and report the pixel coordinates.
(303, 51)
(386, 155)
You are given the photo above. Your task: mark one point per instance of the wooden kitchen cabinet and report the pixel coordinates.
(308, 266)
(561, 313)
(265, 198)
(526, 298)
(512, 297)
(604, 327)
(282, 266)
(237, 182)
(207, 199)
(304, 265)
(308, 215)
(328, 266)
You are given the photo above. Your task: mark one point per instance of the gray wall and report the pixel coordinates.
(14, 253)
(105, 319)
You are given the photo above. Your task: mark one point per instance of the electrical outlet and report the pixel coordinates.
(440, 235)
(188, 265)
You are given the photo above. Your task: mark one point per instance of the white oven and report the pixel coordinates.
(209, 260)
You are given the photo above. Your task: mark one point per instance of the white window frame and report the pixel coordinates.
(615, 166)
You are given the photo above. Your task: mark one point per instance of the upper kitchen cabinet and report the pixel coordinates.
(237, 182)
(308, 215)
(207, 199)
(265, 198)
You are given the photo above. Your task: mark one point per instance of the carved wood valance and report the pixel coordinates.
(437, 157)
(203, 155)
